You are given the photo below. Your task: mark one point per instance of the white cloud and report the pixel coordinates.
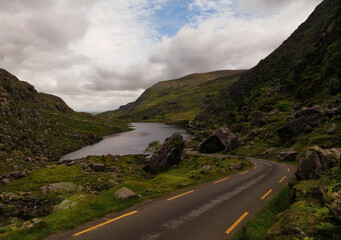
(99, 54)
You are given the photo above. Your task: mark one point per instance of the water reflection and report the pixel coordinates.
(133, 142)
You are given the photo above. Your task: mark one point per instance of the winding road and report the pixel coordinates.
(214, 210)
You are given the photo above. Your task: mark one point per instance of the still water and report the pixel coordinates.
(133, 142)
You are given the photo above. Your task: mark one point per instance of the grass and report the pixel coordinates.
(256, 229)
(188, 173)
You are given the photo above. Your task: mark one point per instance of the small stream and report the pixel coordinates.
(133, 142)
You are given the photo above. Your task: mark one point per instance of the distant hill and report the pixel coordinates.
(176, 100)
(38, 127)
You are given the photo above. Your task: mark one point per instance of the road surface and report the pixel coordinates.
(214, 210)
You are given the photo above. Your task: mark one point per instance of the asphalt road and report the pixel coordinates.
(214, 210)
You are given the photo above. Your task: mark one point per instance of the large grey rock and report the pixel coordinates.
(288, 155)
(221, 139)
(62, 186)
(168, 155)
(316, 160)
(335, 209)
(124, 193)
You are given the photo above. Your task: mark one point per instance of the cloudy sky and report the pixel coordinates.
(100, 54)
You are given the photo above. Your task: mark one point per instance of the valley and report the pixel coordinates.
(264, 141)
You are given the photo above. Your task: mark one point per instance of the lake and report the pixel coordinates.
(132, 142)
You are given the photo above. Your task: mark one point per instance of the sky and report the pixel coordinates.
(100, 54)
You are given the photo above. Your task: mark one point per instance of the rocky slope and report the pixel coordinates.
(38, 127)
(291, 99)
(176, 100)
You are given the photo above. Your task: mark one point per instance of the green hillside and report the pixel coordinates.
(176, 100)
(36, 127)
(304, 72)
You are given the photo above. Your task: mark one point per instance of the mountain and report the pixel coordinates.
(305, 69)
(38, 127)
(176, 100)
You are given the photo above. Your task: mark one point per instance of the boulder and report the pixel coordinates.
(312, 115)
(221, 139)
(236, 166)
(333, 129)
(293, 128)
(305, 120)
(97, 167)
(124, 193)
(62, 186)
(232, 142)
(168, 155)
(288, 156)
(335, 209)
(315, 161)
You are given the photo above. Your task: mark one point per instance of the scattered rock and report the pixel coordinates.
(315, 161)
(268, 151)
(31, 223)
(221, 139)
(206, 168)
(273, 112)
(335, 209)
(236, 166)
(124, 193)
(168, 155)
(288, 155)
(257, 118)
(62, 186)
(333, 129)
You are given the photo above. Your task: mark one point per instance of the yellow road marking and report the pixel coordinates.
(180, 195)
(228, 231)
(102, 224)
(222, 180)
(282, 179)
(288, 169)
(255, 167)
(243, 172)
(266, 194)
(284, 164)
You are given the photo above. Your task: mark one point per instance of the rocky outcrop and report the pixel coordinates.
(124, 193)
(305, 120)
(288, 156)
(316, 160)
(61, 186)
(221, 139)
(23, 205)
(168, 155)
